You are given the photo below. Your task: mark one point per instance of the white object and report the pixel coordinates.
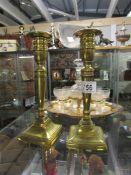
(88, 86)
(8, 45)
(66, 34)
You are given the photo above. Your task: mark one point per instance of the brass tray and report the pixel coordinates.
(55, 108)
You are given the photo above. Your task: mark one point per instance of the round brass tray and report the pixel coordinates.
(56, 109)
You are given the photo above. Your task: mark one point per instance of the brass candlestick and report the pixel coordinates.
(86, 136)
(43, 132)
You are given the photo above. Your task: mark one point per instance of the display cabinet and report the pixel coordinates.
(123, 70)
(119, 74)
(16, 84)
(31, 158)
(103, 68)
(111, 67)
(62, 69)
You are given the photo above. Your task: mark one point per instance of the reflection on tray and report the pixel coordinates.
(96, 109)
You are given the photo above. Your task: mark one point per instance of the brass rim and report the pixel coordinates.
(39, 34)
(87, 31)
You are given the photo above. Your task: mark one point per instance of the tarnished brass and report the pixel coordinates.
(43, 131)
(86, 135)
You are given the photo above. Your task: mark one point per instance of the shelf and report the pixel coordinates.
(124, 80)
(100, 80)
(113, 47)
(63, 81)
(63, 50)
(97, 48)
(26, 81)
(61, 68)
(8, 81)
(17, 52)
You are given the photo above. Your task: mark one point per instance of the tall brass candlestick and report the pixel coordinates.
(86, 135)
(43, 132)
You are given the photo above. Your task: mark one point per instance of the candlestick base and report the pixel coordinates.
(44, 134)
(83, 138)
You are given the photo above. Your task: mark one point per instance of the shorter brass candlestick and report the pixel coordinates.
(43, 132)
(86, 136)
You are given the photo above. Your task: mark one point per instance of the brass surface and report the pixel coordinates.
(44, 134)
(111, 108)
(86, 135)
(43, 131)
(84, 138)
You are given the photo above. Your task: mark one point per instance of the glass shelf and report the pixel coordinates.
(23, 158)
(16, 157)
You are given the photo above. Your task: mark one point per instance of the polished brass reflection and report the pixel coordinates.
(43, 132)
(86, 135)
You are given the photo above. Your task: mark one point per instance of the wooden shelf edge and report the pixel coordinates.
(113, 47)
